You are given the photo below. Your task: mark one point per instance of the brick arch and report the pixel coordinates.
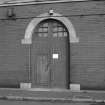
(34, 22)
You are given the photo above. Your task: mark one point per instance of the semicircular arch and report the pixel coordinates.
(34, 22)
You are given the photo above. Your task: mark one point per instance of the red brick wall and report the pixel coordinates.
(87, 56)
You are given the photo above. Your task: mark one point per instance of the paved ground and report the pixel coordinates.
(51, 97)
(42, 103)
(97, 95)
(3, 102)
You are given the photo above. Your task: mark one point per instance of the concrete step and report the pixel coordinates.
(52, 95)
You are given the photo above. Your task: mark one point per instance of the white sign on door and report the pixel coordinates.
(55, 56)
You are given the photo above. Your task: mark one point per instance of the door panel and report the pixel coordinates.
(60, 65)
(40, 58)
(43, 72)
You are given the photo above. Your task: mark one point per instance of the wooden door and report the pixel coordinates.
(50, 55)
(43, 71)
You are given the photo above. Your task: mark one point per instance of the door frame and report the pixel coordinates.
(40, 42)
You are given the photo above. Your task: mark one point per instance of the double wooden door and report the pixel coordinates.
(49, 55)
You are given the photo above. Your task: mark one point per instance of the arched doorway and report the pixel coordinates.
(50, 55)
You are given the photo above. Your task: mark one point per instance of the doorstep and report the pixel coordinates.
(40, 94)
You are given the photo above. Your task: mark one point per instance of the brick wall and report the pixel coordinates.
(87, 57)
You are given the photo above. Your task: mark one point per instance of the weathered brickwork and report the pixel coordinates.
(87, 57)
